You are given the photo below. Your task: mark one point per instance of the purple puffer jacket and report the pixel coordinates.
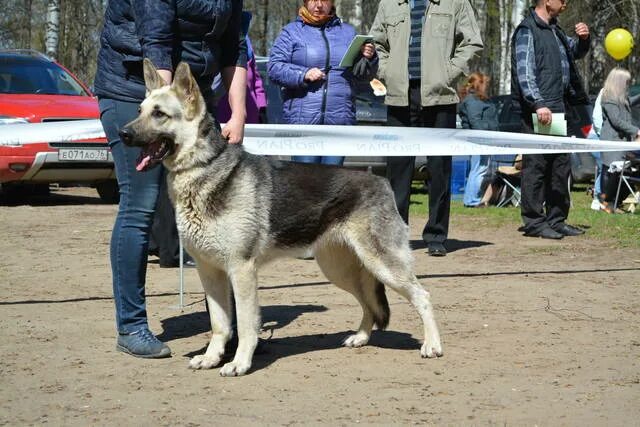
(300, 47)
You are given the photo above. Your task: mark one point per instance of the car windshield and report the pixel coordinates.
(22, 77)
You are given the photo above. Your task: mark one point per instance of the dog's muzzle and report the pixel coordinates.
(152, 152)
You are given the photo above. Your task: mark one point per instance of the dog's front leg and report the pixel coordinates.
(243, 278)
(217, 291)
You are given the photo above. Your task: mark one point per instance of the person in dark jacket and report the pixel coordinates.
(204, 33)
(544, 78)
(617, 125)
(476, 113)
(305, 60)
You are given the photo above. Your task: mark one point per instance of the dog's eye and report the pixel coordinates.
(158, 114)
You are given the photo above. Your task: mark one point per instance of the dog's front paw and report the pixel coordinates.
(356, 340)
(202, 361)
(431, 349)
(234, 369)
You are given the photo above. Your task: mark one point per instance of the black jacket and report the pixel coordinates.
(548, 68)
(204, 33)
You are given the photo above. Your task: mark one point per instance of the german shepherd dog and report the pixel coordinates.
(235, 211)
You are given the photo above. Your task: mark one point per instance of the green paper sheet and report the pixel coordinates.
(352, 52)
(558, 126)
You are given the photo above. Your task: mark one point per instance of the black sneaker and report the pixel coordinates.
(546, 233)
(569, 230)
(144, 344)
(436, 249)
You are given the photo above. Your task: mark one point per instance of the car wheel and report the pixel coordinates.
(108, 191)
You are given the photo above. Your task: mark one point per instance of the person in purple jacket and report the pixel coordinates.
(256, 101)
(305, 60)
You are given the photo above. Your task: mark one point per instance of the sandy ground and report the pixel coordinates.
(535, 333)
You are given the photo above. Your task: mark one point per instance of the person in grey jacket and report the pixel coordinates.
(617, 126)
(423, 47)
(207, 35)
(476, 113)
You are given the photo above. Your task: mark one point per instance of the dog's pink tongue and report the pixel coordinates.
(143, 163)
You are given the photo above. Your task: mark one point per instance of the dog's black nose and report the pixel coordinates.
(126, 135)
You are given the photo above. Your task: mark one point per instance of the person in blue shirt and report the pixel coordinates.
(476, 113)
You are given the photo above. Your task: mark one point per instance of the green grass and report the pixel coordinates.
(619, 229)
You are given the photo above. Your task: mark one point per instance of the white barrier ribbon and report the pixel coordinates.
(316, 140)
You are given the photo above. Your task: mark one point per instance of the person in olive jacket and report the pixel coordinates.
(207, 35)
(423, 47)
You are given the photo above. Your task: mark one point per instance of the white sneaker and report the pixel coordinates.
(595, 205)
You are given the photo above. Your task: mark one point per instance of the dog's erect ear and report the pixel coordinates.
(187, 90)
(152, 79)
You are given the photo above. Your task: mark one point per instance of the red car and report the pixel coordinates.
(35, 89)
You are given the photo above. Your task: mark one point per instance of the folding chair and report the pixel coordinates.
(510, 175)
(630, 173)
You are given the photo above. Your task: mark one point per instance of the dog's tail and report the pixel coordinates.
(381, 312)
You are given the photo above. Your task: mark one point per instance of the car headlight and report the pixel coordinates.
(6, 120)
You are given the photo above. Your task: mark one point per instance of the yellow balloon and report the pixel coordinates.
(618, 43)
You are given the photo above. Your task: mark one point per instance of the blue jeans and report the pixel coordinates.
(479, 168)
(324, 160)
(130, 236)
(597, 185)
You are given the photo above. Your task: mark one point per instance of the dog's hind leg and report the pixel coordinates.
(217, 292)
(342, 267)
(388, 258)
(243, 276)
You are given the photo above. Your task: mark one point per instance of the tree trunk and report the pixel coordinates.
(52, 28)
(338, 5)
(517, 12)
(28, 14)
(505, 52)
(357, 16)
(634, 28)
(262, 28)
(598, 59)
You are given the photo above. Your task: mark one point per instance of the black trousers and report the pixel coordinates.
(400, 169)
(545, 191)
(164, 238)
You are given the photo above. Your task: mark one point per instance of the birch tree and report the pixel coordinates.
(262, 18)
(504, 77)
(52, 28)
(356, 21)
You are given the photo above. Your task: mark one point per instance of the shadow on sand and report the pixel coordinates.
(271, 349)
(451, 245)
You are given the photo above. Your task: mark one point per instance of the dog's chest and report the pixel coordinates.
(210, 236)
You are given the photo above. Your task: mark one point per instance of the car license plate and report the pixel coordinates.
(82, 155)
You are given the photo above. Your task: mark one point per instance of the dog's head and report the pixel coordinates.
(169, 117)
